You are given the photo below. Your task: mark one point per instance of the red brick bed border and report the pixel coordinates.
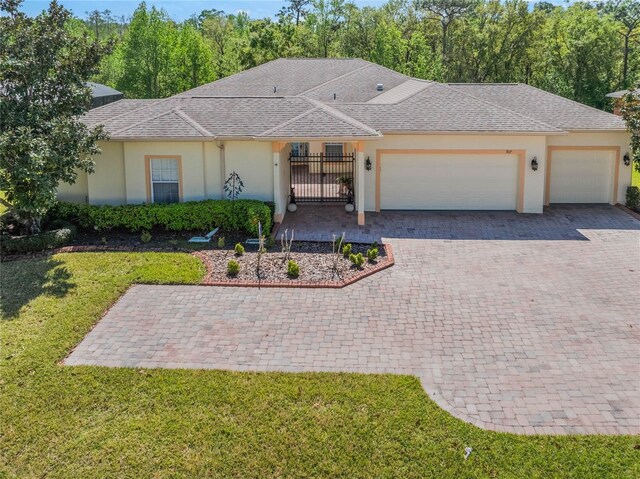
(384, 263)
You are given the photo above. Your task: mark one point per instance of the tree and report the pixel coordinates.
(493, 43)
(447, 11)
(297, 9)
(325, 21)
(193, 59)
(627, 14)
(146, 54)
(630, 110)
(43, 66)
(579, 57)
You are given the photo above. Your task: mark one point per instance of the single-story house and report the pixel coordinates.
(340, 130)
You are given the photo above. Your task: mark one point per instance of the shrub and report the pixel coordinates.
(346, 250)
(356, 259)
(239, 249)
(293, 270)
(271, 242)
(47, 240)
(145, 237)
(633, 198)
(239, 215)
(372, 254)
(233, 267)
(221, 242)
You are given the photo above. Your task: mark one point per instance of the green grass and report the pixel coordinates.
(74, 422)
(635, 178)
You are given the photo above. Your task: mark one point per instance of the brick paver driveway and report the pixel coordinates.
(537, 331)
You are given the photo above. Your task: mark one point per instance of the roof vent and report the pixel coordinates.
(335, 96)
(380, 87)
(275, 89)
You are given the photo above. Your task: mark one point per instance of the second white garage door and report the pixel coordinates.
(581, 176)
(448, 182)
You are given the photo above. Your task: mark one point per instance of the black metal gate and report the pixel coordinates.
(320, 178)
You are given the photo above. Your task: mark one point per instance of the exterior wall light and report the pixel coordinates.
(534, 163)
(627, 159)
(367, 164)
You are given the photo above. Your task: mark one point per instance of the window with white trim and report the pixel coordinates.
(165, 187)
(333, 149)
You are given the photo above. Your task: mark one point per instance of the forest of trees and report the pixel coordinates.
(581, 51)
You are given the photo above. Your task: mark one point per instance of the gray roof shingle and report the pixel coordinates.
(303, 106)
(438, 108)
(553, 109)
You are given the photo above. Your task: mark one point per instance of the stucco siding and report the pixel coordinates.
(76, 192)
(190, 154)
(107, 183)
(212, 171)
(253, 162)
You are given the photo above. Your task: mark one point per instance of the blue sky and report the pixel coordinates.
(177, 9)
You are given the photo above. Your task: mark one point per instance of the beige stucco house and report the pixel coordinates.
(401, 143)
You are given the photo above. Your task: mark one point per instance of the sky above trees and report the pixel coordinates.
(180, 10)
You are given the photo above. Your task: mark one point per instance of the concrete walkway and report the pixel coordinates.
(537, 332)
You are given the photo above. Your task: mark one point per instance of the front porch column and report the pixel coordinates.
(278, 199)
(360, 182)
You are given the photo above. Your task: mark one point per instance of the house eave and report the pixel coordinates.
(337, 139)
(599, 130)
(480, 132)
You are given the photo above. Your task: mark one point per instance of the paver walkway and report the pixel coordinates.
(526, 336)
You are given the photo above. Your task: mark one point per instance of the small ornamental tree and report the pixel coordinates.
(630, 110)
(233, 186)
(43, 142)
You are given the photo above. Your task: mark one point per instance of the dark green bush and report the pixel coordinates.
(633, 198)
(53, 238)
(239, 215)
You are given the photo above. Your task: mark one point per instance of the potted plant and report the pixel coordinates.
(292, 207)
(349, 206)
(345, 182)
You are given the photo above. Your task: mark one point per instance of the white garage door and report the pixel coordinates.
(448, 182)
(581, 176)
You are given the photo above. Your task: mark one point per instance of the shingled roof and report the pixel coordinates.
(343, 98)
(544, 106)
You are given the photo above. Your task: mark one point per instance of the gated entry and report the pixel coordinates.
(320, 178)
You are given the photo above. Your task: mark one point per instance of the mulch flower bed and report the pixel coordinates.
(315, 259)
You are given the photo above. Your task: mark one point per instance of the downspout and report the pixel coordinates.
(223, 168)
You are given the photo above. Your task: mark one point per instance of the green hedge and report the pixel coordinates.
(238, 215)
(633, 198)
(54, 238)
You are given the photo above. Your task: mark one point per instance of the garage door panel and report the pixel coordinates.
(449, 182)
(580, 176)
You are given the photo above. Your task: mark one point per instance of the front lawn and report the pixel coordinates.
(73, 422)
(635, 178)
